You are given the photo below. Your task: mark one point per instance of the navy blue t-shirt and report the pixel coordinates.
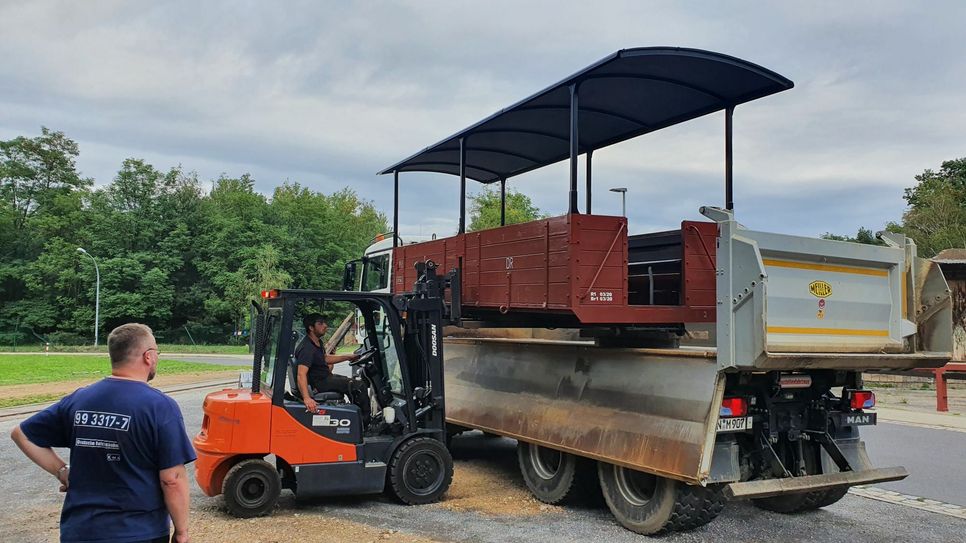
(121, 433)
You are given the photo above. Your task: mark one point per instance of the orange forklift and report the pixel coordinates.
(256, 441)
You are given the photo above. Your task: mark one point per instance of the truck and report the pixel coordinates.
(672, 370)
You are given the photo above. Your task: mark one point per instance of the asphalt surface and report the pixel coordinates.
(934, 458)
(854, 519)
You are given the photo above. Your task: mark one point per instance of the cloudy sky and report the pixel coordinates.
(328, 93)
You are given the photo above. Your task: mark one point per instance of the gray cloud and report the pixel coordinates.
(326, 94)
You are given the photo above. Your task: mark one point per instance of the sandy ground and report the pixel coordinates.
(486, 489)
(478, 488)
(66, 387)
(216, 527)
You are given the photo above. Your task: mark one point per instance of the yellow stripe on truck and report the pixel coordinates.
(826, 331)
(825, 267)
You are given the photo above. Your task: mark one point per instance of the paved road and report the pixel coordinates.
(934, 459)
(27, 490)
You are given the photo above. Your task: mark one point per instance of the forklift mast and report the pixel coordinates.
(425, 312)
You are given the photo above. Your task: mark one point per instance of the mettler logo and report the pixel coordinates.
(433, 340)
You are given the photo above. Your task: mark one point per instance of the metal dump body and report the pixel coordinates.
(788, 302)
(646, 409)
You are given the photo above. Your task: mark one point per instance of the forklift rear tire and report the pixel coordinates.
(420, 471)
(251, 488)
(556, 477)
(649, 504)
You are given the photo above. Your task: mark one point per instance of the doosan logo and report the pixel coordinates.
(433, 340)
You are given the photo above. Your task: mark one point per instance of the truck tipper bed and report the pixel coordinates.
(673, 369)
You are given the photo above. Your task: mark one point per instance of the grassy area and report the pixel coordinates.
(31, 399)
(31, 368)
(165, 347)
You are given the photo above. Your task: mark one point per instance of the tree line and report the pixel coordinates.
(936, 214)
(176, 253)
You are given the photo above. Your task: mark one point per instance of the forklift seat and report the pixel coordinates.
(293, 384)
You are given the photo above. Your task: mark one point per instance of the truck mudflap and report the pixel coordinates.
(810, 483)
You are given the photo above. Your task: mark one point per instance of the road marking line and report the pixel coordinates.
(905, 500)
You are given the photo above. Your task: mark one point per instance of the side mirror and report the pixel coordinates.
(349, 275)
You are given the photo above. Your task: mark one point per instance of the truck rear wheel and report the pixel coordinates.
(251, 488)
(799, 503)
(420, 471)
(649, 504)
(804, 501)
(554, 476)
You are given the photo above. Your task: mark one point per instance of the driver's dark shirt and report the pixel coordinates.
(308, 354)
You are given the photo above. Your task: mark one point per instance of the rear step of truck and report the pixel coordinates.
(811, 483)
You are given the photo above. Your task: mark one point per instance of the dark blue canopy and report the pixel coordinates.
(627, 94)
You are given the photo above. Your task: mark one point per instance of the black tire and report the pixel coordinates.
(791, 504)
(557, 477)
(832, 496)
(650, 504)
(251, 488)
(420, 471)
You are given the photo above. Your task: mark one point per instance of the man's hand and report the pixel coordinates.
(180, 537)
(310, 405)
(63, 475)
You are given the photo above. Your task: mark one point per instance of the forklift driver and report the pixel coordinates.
(315, 368)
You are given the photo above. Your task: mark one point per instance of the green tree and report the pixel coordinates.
(936, 217)
(485, 209)
(864, 235)
(33, 171)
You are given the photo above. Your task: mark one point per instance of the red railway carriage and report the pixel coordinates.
(577, 269)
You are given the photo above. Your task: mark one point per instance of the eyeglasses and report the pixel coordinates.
(152, 349)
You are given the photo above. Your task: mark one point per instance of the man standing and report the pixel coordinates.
(315, 367)
(128, 450)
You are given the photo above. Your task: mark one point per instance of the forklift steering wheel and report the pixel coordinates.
(364, 356)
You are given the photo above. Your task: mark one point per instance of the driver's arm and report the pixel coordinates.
(333, 359)
(303, 382)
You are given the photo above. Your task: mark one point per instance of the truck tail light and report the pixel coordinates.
(733, 407)
(862, 399)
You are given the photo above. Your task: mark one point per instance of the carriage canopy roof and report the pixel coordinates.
(627, 94)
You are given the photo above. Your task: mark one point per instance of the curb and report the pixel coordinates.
(906, 500)
(935, 421)
(29, 409)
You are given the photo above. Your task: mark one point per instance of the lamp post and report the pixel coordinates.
(97, 293)
(623, 191)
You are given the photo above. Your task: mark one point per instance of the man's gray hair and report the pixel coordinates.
(124, 339)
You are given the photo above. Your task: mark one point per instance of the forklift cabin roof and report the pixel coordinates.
(627, 94)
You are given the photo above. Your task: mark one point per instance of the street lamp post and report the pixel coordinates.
(623, 191)
(97, 293)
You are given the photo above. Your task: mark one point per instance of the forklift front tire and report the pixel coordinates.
(251, 488)
(420, 471)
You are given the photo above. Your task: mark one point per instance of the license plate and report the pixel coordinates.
(736, 424)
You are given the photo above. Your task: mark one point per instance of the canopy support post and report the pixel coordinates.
(729, 181)
(590, 155)
(395, 208)
(574, 148)
(462, 185)
(503, 201)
